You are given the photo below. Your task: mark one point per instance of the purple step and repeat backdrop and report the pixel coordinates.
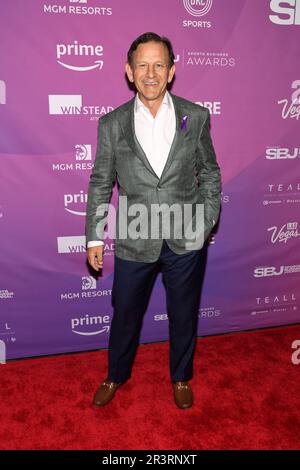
(62, 67)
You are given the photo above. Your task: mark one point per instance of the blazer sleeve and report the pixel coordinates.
(209, 175)
(101, 184)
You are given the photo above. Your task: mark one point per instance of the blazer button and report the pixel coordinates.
(158, 187)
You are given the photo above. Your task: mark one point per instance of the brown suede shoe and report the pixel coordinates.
(105, 393)
(183, 394)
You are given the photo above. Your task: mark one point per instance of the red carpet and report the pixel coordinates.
(246, 397)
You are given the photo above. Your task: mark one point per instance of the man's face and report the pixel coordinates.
(150, 70)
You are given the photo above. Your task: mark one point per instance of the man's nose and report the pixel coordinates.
(150, 71)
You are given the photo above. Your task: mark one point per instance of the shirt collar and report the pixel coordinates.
(138, 104)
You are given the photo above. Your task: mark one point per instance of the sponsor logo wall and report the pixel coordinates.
(62, 68)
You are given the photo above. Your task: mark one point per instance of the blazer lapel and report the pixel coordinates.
(127, 124)
(178, 137)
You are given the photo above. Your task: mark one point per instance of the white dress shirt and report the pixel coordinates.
(155, 135)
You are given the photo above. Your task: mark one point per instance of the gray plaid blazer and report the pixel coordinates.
(191, 176)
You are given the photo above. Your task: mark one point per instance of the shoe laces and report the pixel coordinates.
(182, 385)
(109, 384)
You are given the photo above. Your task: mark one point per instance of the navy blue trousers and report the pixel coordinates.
(132, 287)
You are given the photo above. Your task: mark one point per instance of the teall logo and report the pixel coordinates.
(79, 50)
(288, 12)
(2, 92)
(197, 7)
(83, 152)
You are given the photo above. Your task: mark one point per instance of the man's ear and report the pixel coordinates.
(129, 72)
(171, 73)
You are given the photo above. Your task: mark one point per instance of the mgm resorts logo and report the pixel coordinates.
(82, 155)
(88, 290)
(77, 7)
(72, 104)
(83, 152)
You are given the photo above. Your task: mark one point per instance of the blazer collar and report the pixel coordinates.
(127, 123)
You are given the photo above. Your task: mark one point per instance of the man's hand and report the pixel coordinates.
(95, 257)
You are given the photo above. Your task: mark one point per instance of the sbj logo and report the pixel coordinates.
(278, 153)
(288, 12)
(2, 352)
(197, 7)
(2, 92)
(79, 50)
(265, 271)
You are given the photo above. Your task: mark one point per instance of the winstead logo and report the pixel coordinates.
(65, 104)
(72, 104)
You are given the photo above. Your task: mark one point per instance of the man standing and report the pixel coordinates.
(159, 148)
